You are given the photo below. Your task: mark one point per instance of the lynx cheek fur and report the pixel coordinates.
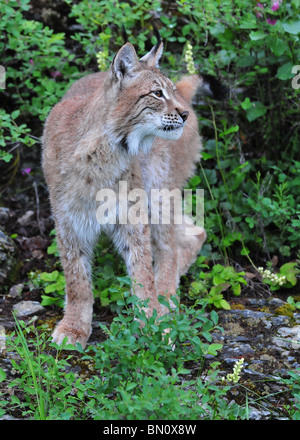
(127, 124)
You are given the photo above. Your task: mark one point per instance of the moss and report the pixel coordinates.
(237, 306)
(264, 309)
(285, 310)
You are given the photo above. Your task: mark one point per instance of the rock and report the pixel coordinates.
(256, 414)
(26, 218)
(7, 256)
(289, 337)
(7, 417)
(28, 308)
(16, 290)
(4, 214)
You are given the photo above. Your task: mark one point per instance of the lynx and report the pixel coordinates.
(127, 124)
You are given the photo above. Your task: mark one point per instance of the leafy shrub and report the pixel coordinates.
(136, 373)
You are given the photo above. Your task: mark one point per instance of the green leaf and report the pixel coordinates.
(248, 25)
(277, 45)
(52, 276)
(230, 130)
(246, 61)
(213, 348)
(256, 110)
(236, 288)
(2, 375)
(214, 317)
(206, 156)
(257, 35)
(285, 71)
(207, 336)
(246, 103)
(194, 181)
(292, 27)
(51, 288)
(5, 156)
(224, 304)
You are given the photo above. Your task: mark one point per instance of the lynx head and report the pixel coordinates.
(142, 100)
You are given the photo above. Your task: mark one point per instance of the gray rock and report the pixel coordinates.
(26, 218)
(16, 290)
(289, 337)
(7, 256)
(4, 214)
(256, 414)
(28, 308)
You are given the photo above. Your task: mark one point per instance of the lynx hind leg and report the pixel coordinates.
(189, 241)
(164, 251)
(76, 323)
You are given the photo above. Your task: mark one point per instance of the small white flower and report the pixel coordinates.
(188, 56)
(235, 375)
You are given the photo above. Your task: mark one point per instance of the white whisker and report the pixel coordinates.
(192, 129)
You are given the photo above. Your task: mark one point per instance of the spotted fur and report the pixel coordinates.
(129, 124)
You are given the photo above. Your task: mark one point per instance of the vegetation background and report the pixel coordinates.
(249, 171)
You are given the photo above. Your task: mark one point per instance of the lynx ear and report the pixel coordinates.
(152, 58)
(125, 62)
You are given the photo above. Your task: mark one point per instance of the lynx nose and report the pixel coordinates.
(184, 115)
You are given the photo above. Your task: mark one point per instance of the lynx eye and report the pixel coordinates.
(158, 93)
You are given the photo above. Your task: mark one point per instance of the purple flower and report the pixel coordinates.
(25, 171)
(271, 21)
(55, 74)
(31, 61)
(259, 14)
(275, 6)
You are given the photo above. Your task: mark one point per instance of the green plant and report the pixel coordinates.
(136, 373)
(210, 285)
(295, 304)
(294, 383)
(286, 277)
(33, 77)
(12, 134)
(38, 375)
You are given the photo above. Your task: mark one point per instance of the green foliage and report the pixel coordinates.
(35, 52)
(295, 304)
(136, 373)
(210, 285)
(294, 382)
(11, 134)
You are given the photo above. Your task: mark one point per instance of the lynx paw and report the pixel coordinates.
(73, 335)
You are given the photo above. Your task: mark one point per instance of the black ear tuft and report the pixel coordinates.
(152, 58)
(213, 87)
(124, 34)
(157, 36)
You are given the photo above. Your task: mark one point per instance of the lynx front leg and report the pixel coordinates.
(133, 243)
(76, 323)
